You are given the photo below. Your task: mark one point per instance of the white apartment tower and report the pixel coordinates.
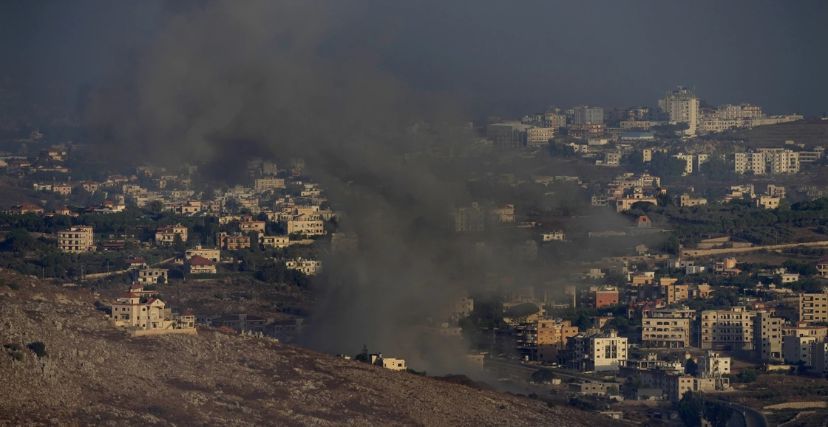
(683, 107)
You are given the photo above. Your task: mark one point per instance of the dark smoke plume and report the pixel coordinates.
(283, 79)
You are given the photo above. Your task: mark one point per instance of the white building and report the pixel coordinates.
(308, 267)
(683, 107)
(600, 351)
(557, 235)
(714, 364)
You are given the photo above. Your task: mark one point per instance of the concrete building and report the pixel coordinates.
(308, 267)
(557, 235)
(274, 241)
(152, 276)
(252, 226)
(201, 265)
(687, 200)
(268, 183)
(688, 163)
(213, 254)
(667, 328)
(598, 351)
(168, 235)
(798, 349)
(822, 267)
(678, 385)
(713, 364)
(767, 334)
(727, 329)
(682, 106)
(819, 356)
(391, 363)
(138, 311)
(307, 225)
(543, 338)
(507, 135)
(813, 308)
(233, 242)
(586, 115)
(781, 161)
(539, 136)
(75, 240)
(767, 202)
(605, 296)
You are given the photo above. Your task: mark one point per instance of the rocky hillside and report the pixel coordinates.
(86, 371)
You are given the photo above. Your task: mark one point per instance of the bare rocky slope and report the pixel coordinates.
(93, 373)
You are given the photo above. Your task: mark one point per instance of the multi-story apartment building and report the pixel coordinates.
(667, 328)
(268, 183)
(597, 351)
(749, 162)
(767, 333)
(539, 136)
(308, 225)
(727, 329)
(507, 135)
(813, 307)
(683, 107)
(775, 161)
(543, 338)
(781, 161)
(75, 240)
(586, 115)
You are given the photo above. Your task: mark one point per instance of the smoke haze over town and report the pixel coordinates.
(507, 196)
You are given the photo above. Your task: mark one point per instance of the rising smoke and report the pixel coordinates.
(284, 79)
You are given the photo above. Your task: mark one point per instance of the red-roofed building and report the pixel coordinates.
(136, 263)
(201, 265)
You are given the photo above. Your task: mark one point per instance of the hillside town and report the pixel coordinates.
(651, 252)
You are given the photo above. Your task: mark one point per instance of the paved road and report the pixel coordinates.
(751, 417)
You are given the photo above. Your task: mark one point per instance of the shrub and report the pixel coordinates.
(38, 348)
(15, 351)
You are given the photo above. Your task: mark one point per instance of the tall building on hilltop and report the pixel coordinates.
(585, 115)
(683, 107)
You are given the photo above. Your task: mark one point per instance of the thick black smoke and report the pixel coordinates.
(285, 80)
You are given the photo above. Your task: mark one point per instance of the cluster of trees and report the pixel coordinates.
(692, 409)
(740, 220)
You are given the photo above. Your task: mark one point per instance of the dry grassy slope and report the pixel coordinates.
(94, 373)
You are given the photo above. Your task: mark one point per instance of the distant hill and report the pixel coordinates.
(810, 133)
(92, 373)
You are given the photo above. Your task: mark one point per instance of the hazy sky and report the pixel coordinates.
(498, 56)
